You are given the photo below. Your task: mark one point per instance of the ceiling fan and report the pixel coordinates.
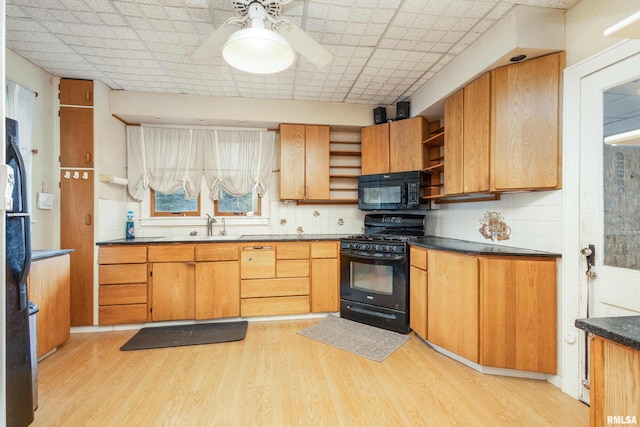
(246, 44)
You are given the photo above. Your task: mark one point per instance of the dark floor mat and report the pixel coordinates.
(176, 336)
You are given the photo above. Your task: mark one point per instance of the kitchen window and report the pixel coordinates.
(229, 205)
(174, 204)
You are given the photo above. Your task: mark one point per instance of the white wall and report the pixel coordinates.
(44, 171)
(587, 20)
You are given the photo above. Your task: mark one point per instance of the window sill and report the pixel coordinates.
(185, 221)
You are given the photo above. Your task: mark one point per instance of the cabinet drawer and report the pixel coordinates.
(122, 273)
(274, 287)
(135, 293)
(122, 254)
(274, 306)
(418, 257)
(217, 252)
(121, 314)
(292, 250)
(257, 264)
(171, 253)
(293, 268)
(324, 250)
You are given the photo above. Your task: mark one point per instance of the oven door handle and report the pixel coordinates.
(360, 255)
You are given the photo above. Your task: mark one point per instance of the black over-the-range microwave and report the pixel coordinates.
(391, 191)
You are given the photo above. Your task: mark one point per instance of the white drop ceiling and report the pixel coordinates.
(384, 50)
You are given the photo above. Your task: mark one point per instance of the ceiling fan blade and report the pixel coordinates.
(304, 43)
(212, 46)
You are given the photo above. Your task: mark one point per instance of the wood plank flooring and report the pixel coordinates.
(276, 377)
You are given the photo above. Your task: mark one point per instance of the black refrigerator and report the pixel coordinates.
(19, 404)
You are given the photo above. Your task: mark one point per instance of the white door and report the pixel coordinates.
(610, 194)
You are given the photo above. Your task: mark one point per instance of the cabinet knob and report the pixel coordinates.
(250, 259)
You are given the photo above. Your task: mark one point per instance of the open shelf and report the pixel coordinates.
(435, 140)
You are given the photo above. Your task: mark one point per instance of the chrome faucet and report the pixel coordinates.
(210, 222)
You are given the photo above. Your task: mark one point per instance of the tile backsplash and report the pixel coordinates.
(534, 218)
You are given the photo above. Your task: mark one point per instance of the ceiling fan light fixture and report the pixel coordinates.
(258, 51)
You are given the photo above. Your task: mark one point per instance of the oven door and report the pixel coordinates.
(374, 279)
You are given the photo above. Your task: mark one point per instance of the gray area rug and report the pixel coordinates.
(364, 340)
(181, 335)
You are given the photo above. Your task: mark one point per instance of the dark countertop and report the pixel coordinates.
(623, 330)
(49, 253)
(464, 246)
(230, 239)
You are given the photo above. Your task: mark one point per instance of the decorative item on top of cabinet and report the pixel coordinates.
(394, 146)
(123, 292)
(526, 143)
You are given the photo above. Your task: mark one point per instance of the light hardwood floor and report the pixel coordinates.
(276, 377)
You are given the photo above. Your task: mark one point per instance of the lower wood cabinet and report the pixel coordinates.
(453, 303)
(325, 277)
(164, 282)
(48, 288)
(123, 291)
(217, 292)
(418, 291)
(495, 311)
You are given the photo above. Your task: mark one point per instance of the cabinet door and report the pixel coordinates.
(76, 92)
(405, 144)
(317, 162)
(454, 143)
(76, 232)
(375, 149)
(477, 135)
(173, 291)
(452, 303)
(526, 143)
(217, 289)
(49, 290)
(292, 162)
(325, 286)
(76, 137)
(519, 314)
(418, 301)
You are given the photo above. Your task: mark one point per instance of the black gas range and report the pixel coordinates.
(374, 270)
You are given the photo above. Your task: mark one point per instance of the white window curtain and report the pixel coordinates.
(238, 161)
(19, 105)
(166, 159)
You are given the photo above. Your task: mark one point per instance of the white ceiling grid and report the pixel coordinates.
(384, 49)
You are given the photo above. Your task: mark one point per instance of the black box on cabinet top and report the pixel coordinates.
(379, 115)
(402, 110)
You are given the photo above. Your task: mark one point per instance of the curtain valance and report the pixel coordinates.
(166, 159)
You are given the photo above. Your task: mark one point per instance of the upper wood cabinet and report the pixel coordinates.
(76, 92)
(467, 115)
(394, 147)
(526, 124)
(76, 123)
(375, 149)
(304, 162)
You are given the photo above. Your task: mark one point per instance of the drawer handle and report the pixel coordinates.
(257, 247)
(250, 259)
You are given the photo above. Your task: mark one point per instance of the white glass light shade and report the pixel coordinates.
(259, 51)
